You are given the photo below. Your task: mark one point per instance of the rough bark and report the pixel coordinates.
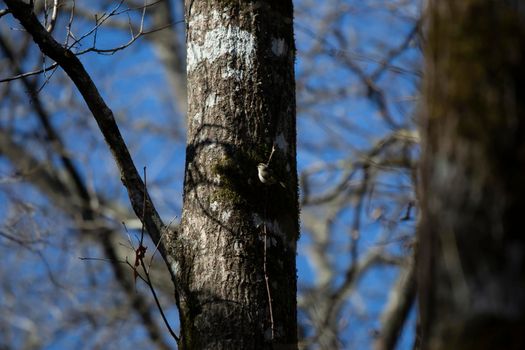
(241, 100)
(472, 247)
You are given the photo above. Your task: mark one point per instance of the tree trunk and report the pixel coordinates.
(241, 101)
(472, 244)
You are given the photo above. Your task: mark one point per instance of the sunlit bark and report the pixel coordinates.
(241, 102)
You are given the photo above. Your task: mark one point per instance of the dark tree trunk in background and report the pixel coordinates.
(472, 236)
(241, 101)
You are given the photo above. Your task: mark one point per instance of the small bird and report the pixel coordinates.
(266, 175)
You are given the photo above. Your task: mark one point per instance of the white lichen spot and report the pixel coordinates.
(281, 142)
(237, 247)
(225, 216)
(217, 180)
(219, 42)
(197, 119)
(279, 47)
(174, 266)
(214, 206)
(232, 73)
(203, 240)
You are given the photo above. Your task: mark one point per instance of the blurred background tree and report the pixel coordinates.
(358, 73)
(471, 242)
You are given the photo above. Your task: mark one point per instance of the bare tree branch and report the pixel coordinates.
(54, 14)
(102, 114)
(29, 74)
(166, 39)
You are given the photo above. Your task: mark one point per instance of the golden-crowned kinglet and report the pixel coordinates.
(266, 175)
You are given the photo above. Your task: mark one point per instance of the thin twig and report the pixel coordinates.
(94, 31)
(104, 18)
(48, 78)
(28, 74)
(155, 251)
(139, 259)
(54, 14)
(114, 50)
(271, 154)
(99, 21)
(70, 23)
(267, 280)
(157, 302)
(102, 259)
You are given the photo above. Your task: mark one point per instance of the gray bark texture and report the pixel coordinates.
(472, 242)
(241, 103)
